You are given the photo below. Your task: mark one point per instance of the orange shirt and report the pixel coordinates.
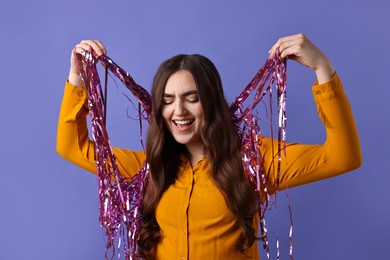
(194, 218)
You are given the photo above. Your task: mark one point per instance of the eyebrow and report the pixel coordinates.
(187, 93)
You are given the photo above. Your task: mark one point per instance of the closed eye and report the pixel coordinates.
(190, 96)
(167, 101)
(193, 98)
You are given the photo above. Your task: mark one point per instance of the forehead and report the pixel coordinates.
(179, 82)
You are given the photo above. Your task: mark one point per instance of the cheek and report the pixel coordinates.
(166, 115)
(200, 114)
(202, 124)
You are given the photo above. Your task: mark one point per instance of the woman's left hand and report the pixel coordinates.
(299, 48)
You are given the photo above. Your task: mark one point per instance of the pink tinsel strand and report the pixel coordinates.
(139, 92)
(120, 200)
(273, 72)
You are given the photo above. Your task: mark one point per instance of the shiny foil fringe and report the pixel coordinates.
(272, 73)
(121, 199)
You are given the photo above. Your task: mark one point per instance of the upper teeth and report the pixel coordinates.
(182, 122)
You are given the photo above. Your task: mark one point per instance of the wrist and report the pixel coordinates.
(324, 72)
(75, 79)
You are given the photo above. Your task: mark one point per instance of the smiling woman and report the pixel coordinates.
(208, 151)
(198, 202)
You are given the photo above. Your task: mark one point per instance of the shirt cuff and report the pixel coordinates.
(77, 93)
(328, 90)
(77, 99)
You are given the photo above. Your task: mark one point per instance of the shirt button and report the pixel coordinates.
(183, 258)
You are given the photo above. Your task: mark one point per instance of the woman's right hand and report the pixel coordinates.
(85, 45)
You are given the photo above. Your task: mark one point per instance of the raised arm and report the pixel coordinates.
(341, 151)
(73, 141)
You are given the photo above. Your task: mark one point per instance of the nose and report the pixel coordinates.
(180, 108)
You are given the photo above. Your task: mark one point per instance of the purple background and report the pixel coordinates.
(49, 207)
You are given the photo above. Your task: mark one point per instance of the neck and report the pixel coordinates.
(196, 153)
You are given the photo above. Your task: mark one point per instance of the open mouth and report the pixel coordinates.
(183, 124)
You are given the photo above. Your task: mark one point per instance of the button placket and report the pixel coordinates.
(189, 179)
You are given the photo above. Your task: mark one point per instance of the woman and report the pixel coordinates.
(198, 204)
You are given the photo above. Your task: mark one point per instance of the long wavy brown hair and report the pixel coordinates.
(221, 145)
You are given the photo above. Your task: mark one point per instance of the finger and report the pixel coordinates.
(292, 45)
(288, 46)
(275, 47)
(81, 49)
(89, 45)
(291, 48)
(280, 48)
(293, 37)
(288, 53)
(101, 46)
(286, 42)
